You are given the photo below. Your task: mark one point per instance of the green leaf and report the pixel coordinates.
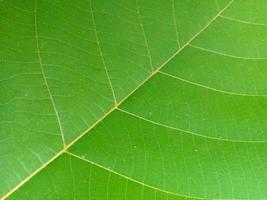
(133, 99)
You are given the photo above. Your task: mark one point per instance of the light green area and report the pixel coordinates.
(235, 39)
(192, 15)
(73, 64)
(72, 178)
(195, 129)
(29, 133)
(233, 75)
(172, 161)
(176, 161)
(200, 110)
(249, 11)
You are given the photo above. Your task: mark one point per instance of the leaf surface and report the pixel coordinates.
(133, 99)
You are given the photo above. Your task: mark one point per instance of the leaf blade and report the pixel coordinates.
(246, 191)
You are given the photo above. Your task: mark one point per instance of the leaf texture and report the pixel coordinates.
(135, 99)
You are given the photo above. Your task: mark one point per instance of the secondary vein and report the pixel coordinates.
(144, 35)
(131, 179)
(189, 132)
(101, 54)
(43, 73)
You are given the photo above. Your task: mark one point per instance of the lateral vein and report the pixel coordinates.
(144, 35)
(189, 132)
(129, 178)
(175, 23)
(211, 88)
(43, 73)
(101, 54)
